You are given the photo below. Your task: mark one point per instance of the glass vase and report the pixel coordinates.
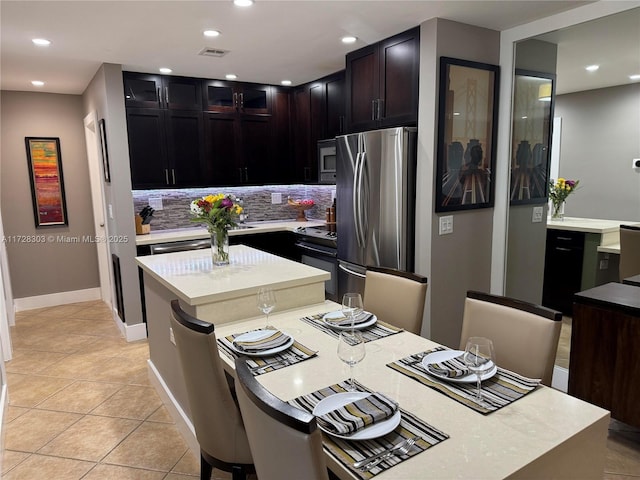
(220, 247)
(557, 211)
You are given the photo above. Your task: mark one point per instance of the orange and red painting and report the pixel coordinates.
(47, 187)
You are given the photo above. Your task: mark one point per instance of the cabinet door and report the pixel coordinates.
(182, 93)
(281, 132)
(147, 148)
(254, 99)
(301, 135)
(221, 151)
(256, 150)
(399, 72)
(220, 96)
(363, 88)
(142, 90)
(335, 105)
(185, 148)
(562, 269)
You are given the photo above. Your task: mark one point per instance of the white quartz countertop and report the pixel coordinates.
(588, 225)
(192, 277)
(176, 235)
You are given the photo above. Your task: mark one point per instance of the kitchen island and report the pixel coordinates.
(215, 294)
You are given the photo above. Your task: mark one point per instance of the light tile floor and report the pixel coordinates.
(81, 406)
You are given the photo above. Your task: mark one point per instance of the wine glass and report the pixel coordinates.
(479, 358)
(352, 306)
(351, 351)
(266, 300)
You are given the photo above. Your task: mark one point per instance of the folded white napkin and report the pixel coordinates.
(340, 319)
(452, 368)
(275, 340)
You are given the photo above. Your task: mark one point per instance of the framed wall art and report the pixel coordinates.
(467, 119)
(47, 183)
(533, 95)
(105, 151)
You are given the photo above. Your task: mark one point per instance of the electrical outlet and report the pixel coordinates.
(172, 338)
(276, 198)
(604, 264)
(155, 203)
(537, 215)
(446, 225)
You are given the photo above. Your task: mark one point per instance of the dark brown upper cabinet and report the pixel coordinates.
(143, 90)
(382, 83)
(237, 97)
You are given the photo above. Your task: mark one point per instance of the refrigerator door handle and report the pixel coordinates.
(351, 272)
(355, 199)
(364, 199)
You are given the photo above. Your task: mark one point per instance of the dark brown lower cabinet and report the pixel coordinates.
(604, 366)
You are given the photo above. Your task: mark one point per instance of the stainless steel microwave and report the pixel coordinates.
(327, 161)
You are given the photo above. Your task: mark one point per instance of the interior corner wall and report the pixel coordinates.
(460, 261)
(105, 96)
(43, 267)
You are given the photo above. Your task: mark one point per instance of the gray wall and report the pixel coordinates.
(105, 95)
(50, 267)
(459, 261)
(600, 137)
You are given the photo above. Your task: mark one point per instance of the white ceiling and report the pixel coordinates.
(268, 42)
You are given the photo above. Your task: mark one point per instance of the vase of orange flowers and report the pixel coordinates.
(219, 212)
(558, 193)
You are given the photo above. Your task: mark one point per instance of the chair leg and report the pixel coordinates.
(238, 473)
(206, 469)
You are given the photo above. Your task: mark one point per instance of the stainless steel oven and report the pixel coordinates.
(318, 248)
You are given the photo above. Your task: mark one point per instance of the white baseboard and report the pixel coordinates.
(4, 402)
(183, 423)
(560, 380)
(53, 299)
(131, 333)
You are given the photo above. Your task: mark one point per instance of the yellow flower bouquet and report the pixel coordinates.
(219, 212)
(558, 193)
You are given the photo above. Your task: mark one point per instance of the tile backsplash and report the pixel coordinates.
(256, 201)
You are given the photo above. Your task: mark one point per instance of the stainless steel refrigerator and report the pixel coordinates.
(375, 203)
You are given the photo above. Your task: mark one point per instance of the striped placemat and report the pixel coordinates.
(347, 452)
(296, 353)
(374, 332)
(503, 388)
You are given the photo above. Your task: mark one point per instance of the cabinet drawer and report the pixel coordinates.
(566, 239)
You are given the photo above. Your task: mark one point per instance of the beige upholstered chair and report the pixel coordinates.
(215, 415)
(629, 251)
(285, 440)
(525, 336)
(396, 297)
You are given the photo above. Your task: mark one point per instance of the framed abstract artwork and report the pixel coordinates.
(467, 119)
(533, 95)
(47, 183)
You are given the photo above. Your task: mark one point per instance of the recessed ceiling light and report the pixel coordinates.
(634, 77)
(37, 83)
(211, 33)
(286, 82)
(349, 39)
(243, 3)
(592, 68)
(230, 76)
(165, 70)
(41, 42)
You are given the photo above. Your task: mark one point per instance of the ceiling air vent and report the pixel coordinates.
(213, 52)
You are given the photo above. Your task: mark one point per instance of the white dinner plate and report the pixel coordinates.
(444, 355)
(375, 430)
(357, 326)
(259, 335)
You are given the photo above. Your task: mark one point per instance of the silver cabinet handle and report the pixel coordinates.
(380, 113)
(373, 109)
(159, 95)
(242, 100)
(166, 176)
(173, 175)
(166, 95)
(246, 174)
(235, 100)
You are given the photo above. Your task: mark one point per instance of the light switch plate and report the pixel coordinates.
(276, 198)
(110, 208)
(537, 215)
(155, 203)
(446, 225)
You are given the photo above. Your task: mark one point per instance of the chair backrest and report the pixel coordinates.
(215, 415)
(285, 440)
(629, 251)
(525, 336)
(396, 297)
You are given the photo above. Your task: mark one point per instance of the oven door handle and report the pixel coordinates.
(316, 250)
(351, 272)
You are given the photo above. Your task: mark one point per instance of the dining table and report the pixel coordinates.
(544, 433)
